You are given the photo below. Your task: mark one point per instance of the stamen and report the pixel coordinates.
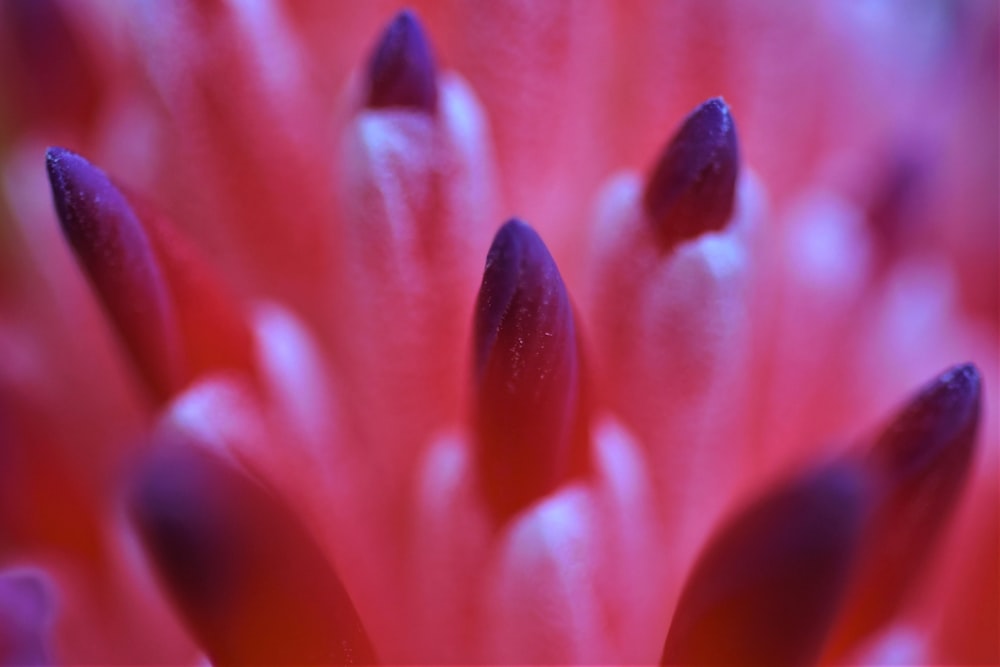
(691, 189)
(527, 412)
(401, 71)
(113, 249)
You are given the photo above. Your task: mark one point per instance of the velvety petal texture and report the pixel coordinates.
(499, 332)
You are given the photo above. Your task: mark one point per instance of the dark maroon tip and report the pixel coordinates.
(692, 188)
(767, 588)
(527, 408)
(249, 581)
(114, 251)
(921, 462)
(934, 434)
(26, 608)
(401, 71)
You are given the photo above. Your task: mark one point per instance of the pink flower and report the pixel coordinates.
(281, 385)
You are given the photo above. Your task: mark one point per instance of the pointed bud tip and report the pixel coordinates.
(515, 247)
(401, 71)
(80, 192)
(53, 155)
(938, 424)
(65, 168)
(692, 188)
(527, 402)
(113, 249)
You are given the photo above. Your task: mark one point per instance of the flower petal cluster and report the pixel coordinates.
(499, 333)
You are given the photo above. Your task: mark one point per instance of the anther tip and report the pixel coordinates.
(59, 162)
(692, 188)
(401, 71)
(939, 423)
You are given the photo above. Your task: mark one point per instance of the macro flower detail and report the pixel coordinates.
(222, 546)
(845, 540)
(401, 71)
(498, 333)
(691, 189)
(529, 412)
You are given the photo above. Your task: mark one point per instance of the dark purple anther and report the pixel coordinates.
(933, 435)
(692, 188)
(527, 408)
(114, 251)
(401, 71)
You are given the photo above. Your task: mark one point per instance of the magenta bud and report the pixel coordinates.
(930, 442)
(768, 586)
(401, 71)
(249, 581)
(115, 253)
(692, 188)
(527, 406)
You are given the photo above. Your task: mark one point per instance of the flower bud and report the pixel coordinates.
(111, 244)
(173, 314)
(527, 405)
(692, 188)
(401, 71)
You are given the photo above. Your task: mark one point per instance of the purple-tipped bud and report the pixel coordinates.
(249, 581)
(527, 410)
(767, 588)
(920, 462)
(401, 71)
(114, 251)
(692, 188)
(930, 442)
(26, 607)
